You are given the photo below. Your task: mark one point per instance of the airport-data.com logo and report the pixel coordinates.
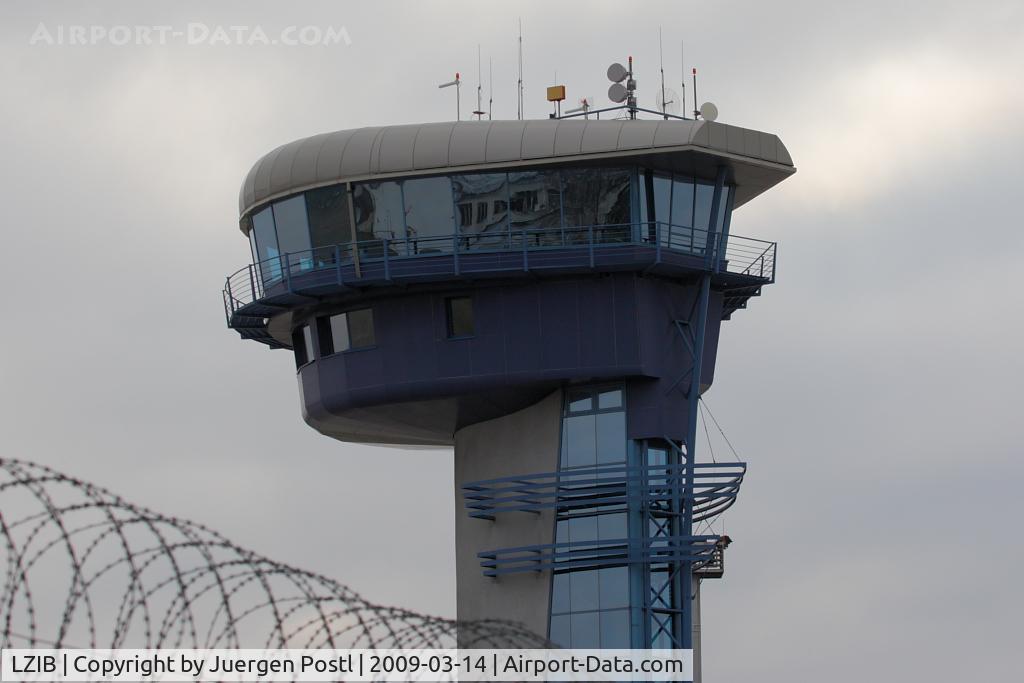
(193, 33)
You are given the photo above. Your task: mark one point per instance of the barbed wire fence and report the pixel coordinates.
(86, 569)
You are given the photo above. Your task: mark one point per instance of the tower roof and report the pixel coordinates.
(757, 160)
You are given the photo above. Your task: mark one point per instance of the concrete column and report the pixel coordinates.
(524, 442)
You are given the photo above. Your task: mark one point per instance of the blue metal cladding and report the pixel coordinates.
(529, 338)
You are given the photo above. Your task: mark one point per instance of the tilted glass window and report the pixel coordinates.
(429, 215)
(475, 194)
(345, 331)
(536, 206)
(246, 225)
(682, 207)
(682, 234)
(330, 228)
(597, 200)
(266, 246)
(293, 232)
(380, 214)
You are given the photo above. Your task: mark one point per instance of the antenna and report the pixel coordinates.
(479, 87)
(490, 86)
(661, 58)
(682, 72)
(585, 104)
(696, 112)
(458, 85)
(519, 105)
(668, 102)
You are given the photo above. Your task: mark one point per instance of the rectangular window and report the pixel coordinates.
(302, 342)
(360, 328)
(460, 316)
(329, 226)
(536, 207)
(429, 215)
(293, 232)
(345, 331)
(266, 246)
(478, 228)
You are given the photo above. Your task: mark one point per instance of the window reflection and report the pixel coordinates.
(266, 245)
(681, 236)
(482, 202)
(480, 211)
(682, 207)
(590, 608)
(344, 331)
(429, 215)
(536, 206)
(597, 199)
(329, 224)
(379, 215)
(293, 232)
(579, 441)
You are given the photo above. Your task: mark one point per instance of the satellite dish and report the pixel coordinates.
(671, 103)
(617, 93)
(708, 111)
(617, 73)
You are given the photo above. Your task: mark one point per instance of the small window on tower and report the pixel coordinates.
(460, 317)
(346, 331)
(302, 342)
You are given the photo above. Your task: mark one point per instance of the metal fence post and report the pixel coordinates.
(387, 268)
(455, 252)
(526, 262)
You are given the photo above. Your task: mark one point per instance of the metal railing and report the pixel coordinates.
(715, 488)
(581, 555)
(518, 249)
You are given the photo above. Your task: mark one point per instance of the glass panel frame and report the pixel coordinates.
(292, 227)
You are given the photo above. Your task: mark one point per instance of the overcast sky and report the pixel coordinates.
(874, 390)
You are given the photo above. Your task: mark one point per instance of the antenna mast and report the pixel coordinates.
(519, 105)
(661, 58)
(490, 86)
(696, 112)
(458, 87)
(479, 86)
(682, 73)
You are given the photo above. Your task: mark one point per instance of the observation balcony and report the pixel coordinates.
(740, 265)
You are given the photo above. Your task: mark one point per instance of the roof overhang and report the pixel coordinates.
(756, 161)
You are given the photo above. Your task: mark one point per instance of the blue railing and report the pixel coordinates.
(524, 249)
(715, 488)
(582, 555)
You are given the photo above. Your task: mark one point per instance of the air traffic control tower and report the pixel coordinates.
(546, 296)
